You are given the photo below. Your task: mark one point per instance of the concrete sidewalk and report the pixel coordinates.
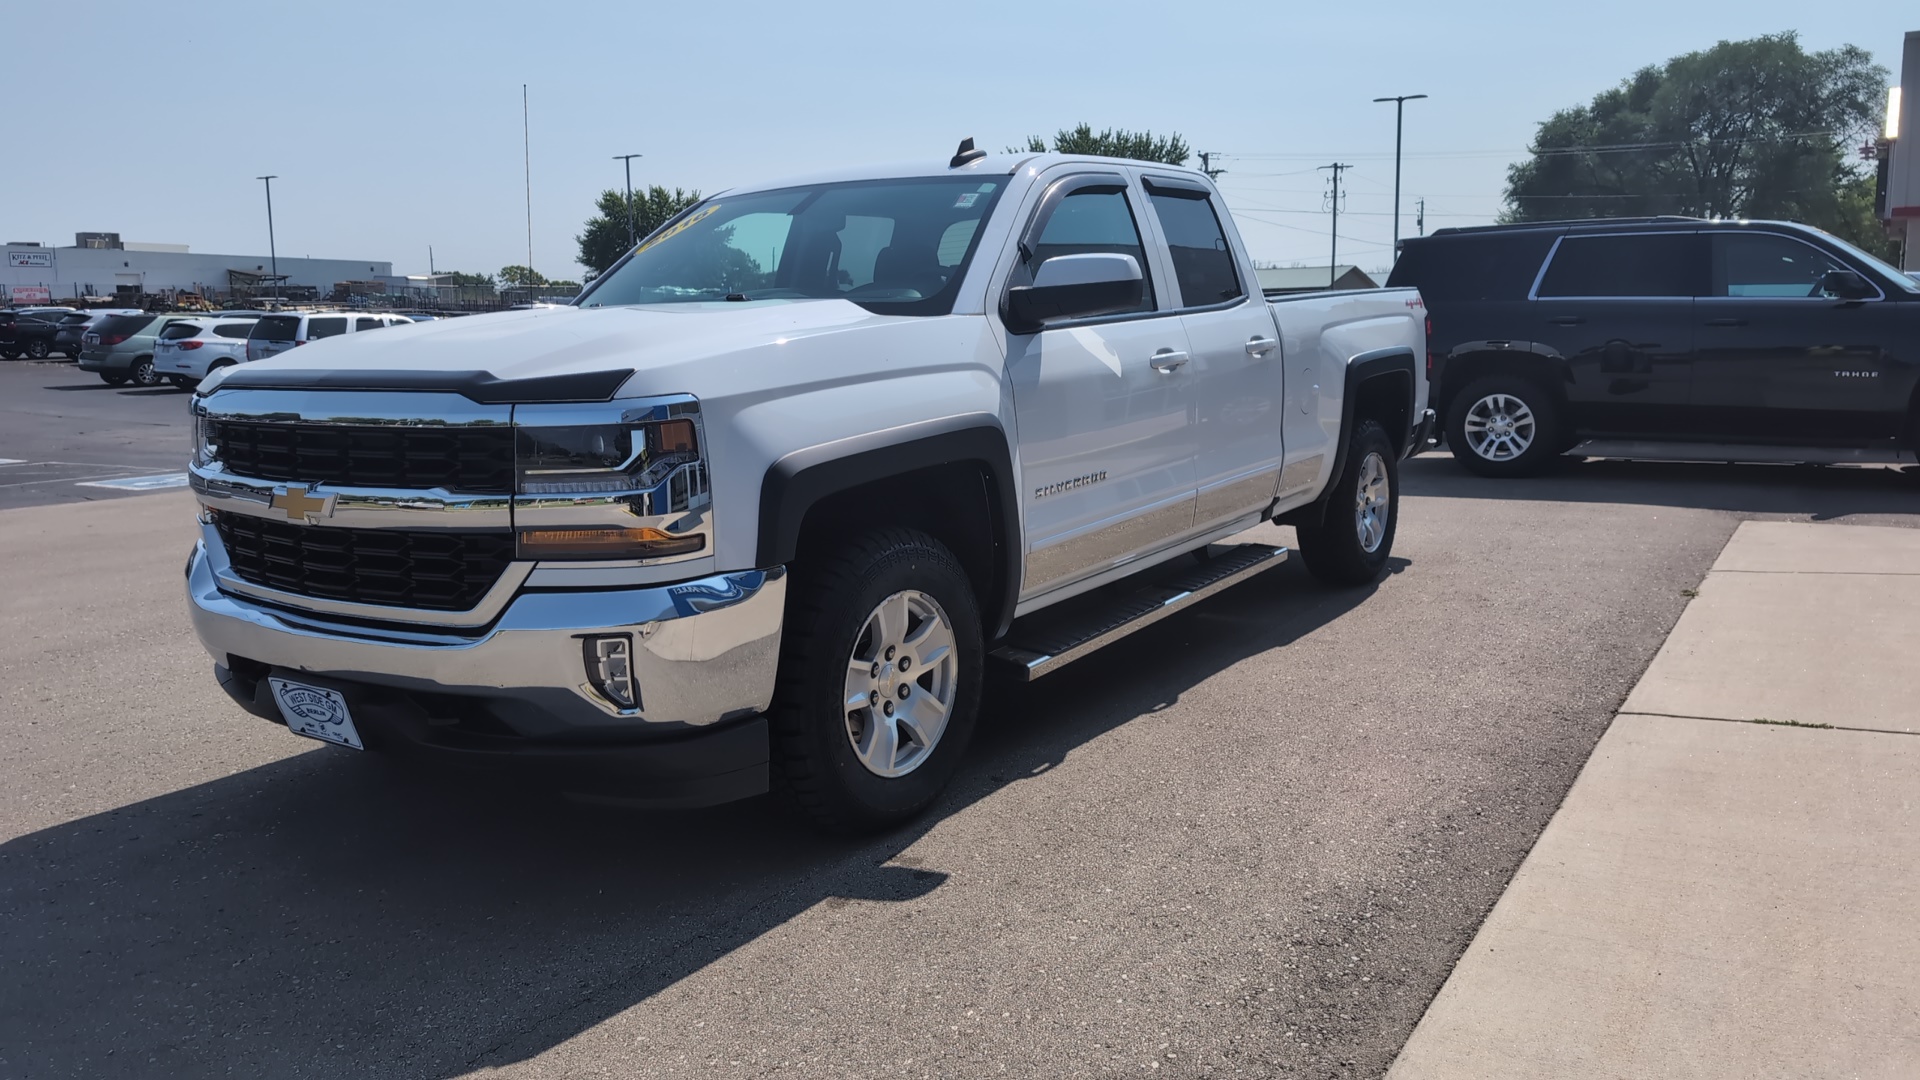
(1719, 896)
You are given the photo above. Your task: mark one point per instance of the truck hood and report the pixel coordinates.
(569, 340)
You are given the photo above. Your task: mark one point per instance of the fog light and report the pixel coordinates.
(610, 669)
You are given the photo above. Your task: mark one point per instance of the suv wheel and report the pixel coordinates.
(113, 378)
(879, 682)
(1504, 425)
(142, 372)
(1351, 544)
(37, 350)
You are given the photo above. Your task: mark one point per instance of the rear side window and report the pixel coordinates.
(233, 329)
(124, 325)
(1202, 261)
(276, 328)
(324, 328)
(1643, 265)
(367, 322)
(179, 330)
(1472, 269)
(76, 320)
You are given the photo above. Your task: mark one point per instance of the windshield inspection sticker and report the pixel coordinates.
(966, 199)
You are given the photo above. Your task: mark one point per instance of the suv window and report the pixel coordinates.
(1628, 265)
(1202, 260)
(179, 330)
(1094, 219)
(1763, 264)
(77, 319)
(367, 322)
(324, 328)
(233, 329)
(275, 328)
(1473, 268)
(123, 326)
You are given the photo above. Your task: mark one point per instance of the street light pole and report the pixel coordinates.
(632, 239)
(1399, 116)
(272, 251)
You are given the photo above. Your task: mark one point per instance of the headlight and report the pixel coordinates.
(636, 489)
(205, 450)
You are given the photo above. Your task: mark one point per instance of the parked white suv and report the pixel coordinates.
(772, 495)
(190, 348)
(284, 330)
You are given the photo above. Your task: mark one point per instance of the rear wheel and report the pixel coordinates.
(1352, 542)
(113, 378)
(38, 350)
(142, 373)
(879, 681)
(1505, 425)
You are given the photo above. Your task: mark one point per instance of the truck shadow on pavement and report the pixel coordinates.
(331, 914)
(1822, 494)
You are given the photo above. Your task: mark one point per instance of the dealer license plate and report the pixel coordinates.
(316, 712)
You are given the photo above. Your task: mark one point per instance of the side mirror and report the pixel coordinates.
(1847, 285)
(1075, 287)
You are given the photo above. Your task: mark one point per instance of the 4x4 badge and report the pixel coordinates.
(299, 505)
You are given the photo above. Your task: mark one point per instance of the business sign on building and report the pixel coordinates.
(30, 258)
(30, 294)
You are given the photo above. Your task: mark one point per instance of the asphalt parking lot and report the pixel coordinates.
(1248, 841)
(65, 436)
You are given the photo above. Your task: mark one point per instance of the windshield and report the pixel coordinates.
(892, 246)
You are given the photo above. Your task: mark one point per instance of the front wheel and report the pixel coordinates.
(879, 681)
(1504, 425)
(1351, 543)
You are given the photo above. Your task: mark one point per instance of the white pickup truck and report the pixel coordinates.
(761, 508)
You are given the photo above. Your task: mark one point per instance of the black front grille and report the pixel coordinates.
(436, 571)
(473, 460)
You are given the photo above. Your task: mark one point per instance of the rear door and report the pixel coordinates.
(1104, 406)
(1618, 308)
(1781, 360)
(1236, 366)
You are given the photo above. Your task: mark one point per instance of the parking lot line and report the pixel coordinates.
(139, 483)
(12, 461)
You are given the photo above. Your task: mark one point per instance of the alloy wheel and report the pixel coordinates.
(1500, 427)
(1372, 500)
(900, 685)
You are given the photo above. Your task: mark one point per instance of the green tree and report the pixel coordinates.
(520, 276)
(605, 238)
(1759, 128)
(457, 277)
(1113, 142)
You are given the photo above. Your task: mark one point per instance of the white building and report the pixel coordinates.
(35, 274)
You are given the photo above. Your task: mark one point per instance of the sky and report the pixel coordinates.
(395, 128)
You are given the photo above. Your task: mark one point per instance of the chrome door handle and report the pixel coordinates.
(1167, 360)
(1260, 346)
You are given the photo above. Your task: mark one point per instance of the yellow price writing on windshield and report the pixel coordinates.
(677, 229)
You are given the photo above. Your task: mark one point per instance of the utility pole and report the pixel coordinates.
(1399, 115)
(273, 251)
(526, 145)
(1206, 164)
(1420, 219)
(632, 238)
(1333, 261)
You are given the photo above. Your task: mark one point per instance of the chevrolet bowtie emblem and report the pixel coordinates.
(299, 505)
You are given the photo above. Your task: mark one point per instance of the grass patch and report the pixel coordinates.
(1788, 723)
(1689, 593)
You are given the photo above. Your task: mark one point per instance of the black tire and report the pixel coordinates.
(113, 378)
(1334, 550)
(142, 372)
(184, 382)
(9, 354)
(827, 614)
(1545, 439)
(37, 350)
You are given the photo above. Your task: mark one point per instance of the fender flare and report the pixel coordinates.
(797, 481)
(1364, 366)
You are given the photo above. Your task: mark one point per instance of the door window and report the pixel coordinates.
(1094, 219)
(367, 322)
(1763, 264)
(1202, 261)
(1634, 265)
(325, 328)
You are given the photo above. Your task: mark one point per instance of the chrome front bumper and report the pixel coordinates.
(703, 651)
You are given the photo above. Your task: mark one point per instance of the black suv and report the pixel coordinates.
(28, 332)
(1652, 333)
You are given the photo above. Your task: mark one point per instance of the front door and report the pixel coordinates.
(1618, 309)
(1105, 406)
(1781, 360)
(1236, 355)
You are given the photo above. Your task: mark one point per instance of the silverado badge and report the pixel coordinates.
(299, 505)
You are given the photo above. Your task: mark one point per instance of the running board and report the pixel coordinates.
(1739, 453)
(1049, 641)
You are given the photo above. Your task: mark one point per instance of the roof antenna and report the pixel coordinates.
(966, 155)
